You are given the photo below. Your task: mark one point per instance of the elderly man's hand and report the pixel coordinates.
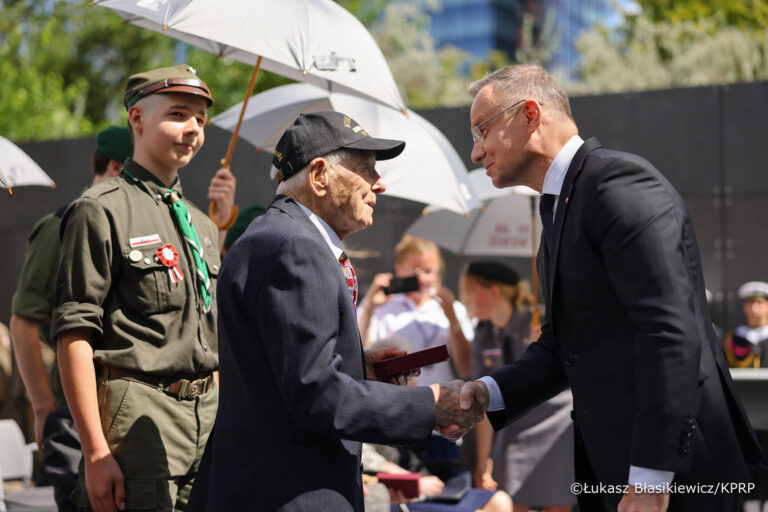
(373, 356)
(458, 410)
(222, 192)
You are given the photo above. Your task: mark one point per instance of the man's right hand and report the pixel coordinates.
(104, 482)
(452, 419)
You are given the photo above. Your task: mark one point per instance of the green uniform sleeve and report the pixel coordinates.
(85, 274)
(34, 296)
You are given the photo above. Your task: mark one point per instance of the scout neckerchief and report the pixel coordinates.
(349, 273)
(168, 255)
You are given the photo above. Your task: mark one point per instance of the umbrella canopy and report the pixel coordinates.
(500, 227)
(315, 41)
(17, 168)
(429, 170)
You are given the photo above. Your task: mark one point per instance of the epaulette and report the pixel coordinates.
(105, 187)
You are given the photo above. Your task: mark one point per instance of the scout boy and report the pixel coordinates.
(135, 308)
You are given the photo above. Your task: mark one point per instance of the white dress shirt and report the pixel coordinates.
(553, 184)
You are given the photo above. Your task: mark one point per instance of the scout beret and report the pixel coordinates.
(495, 271)
(753, 290)
(180, 78)
(115, 142)
(319, 133)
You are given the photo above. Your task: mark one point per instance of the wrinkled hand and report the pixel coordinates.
(104, 483)
(372, 356)
(222, 192)
(458, 410)
(643, 501)
(375, 295)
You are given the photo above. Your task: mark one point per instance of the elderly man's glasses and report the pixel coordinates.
(477, 131)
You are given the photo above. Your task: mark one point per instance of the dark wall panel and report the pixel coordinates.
(745, 135)
(710, 142)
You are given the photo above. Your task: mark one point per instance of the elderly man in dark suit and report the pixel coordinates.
(627, 326)
(298, 394)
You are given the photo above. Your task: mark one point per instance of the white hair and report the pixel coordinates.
(298, 181)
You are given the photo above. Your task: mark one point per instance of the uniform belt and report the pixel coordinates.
(184, 389)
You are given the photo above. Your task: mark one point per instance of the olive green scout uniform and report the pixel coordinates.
(154, 336)
(34, 296)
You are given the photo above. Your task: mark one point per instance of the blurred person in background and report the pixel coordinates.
(531, 459)
(426, 317)
(745, 346)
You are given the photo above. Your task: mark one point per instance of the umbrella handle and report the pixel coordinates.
(212, 208)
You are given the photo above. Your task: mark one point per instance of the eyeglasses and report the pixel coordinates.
(477, 134)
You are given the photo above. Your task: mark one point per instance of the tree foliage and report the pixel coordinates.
(749, 14)
(426, 76)
(645, 53)
(64, 67)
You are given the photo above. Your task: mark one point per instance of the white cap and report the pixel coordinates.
(753, 289)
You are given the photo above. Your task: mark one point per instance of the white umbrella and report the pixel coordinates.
(17, 168)
(429, 170)
(315, 41)
(500, 227)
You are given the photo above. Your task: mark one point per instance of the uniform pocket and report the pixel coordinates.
(149, 286)
(115, 410)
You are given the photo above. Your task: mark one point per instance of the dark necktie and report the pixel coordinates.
(546, 207)
(349, 273)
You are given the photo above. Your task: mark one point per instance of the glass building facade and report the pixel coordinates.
(478, 26)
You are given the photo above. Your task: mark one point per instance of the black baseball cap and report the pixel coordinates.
(319, 133)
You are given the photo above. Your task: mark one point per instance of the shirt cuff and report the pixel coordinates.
(495, 400)
(649, 477)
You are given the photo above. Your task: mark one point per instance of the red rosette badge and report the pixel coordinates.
(169, 256)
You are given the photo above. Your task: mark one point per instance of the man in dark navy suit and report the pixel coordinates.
(627, 324)
(298, 394)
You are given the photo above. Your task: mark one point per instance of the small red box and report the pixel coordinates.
(407, 483)
(412, 361)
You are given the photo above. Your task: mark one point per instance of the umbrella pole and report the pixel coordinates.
(212, 210)
(534, 274)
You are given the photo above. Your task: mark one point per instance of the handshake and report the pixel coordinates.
(459, 406)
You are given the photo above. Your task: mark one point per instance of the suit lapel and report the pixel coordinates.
(577, 164)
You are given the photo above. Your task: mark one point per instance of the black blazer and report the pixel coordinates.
(628, 330)
(294, 405)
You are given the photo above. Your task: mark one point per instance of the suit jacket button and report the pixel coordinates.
(570, 360)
